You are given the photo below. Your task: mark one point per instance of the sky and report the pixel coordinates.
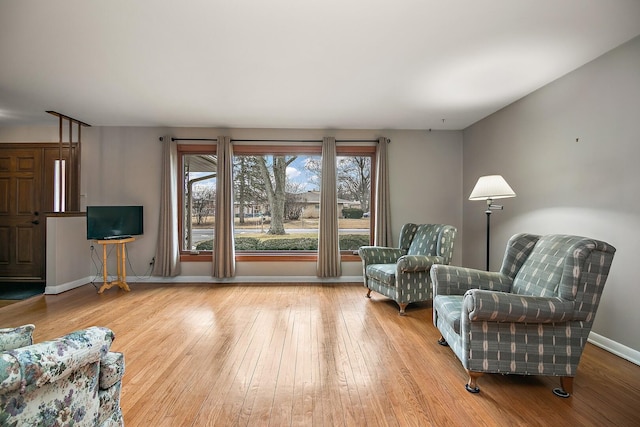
(297, 173)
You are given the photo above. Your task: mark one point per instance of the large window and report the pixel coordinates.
(198, 167)
(276, 198)
(354, 181)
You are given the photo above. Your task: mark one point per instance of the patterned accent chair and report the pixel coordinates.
(72, 380)
(531, 318)
(402, 273)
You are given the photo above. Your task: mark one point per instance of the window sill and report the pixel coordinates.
(187, 257)
(269, 257)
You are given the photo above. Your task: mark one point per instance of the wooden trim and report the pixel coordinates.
(350, 258)
(197, 148)
(255, 150)
(31, 145)
(65, 214)
(187, 257)
(269, 257)
(65, 117)
(360, 150)
(265, 257)
(274, 257)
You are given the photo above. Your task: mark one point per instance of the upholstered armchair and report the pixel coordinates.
(72, 380)
(532, 317)
(402, 273)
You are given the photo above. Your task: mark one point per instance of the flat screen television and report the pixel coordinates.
(114, 222)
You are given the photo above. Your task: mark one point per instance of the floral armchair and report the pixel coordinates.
(72, 380)
(531, 318)
(402, 273)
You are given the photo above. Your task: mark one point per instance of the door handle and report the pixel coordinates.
(35, 222)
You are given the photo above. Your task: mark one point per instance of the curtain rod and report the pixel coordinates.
(302, 140)
(194, 139)
(275, 140)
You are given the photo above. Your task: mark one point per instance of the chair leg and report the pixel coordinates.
(472, 384)
(566, 387)
(402, 307)
(443, 342)
(368, 293)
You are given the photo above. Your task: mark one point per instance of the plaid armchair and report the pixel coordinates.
(73, 380)
(531, 318)
(402, 273)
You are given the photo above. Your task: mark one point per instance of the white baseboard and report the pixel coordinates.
(58, 289)
(248, 279)
(614, 347)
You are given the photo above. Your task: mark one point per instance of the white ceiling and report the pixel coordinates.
(341, 64)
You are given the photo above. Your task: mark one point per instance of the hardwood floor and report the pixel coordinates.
(6, 302)
(310, 355)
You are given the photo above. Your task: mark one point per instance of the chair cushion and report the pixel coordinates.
(541, 273)
(12, 338)
(449, 307)
(425, 241)
(384, 273)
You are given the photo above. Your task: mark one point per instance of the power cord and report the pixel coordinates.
(147, 273)
(99, 266)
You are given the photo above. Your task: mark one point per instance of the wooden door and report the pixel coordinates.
(21, 220)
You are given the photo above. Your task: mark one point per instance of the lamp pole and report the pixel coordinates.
(488, 212)
(490, 207)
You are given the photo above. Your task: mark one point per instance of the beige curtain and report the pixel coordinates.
(168, 247)
(382, 226)
(328, 245)
(224, 263)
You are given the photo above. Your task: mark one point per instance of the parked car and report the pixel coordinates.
(366, 214)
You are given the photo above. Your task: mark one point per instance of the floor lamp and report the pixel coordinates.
(488, 188)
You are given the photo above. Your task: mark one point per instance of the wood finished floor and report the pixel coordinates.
(311, 355)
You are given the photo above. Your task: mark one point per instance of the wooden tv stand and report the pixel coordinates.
(121, 256)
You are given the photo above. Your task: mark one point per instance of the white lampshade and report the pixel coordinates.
(491, 187)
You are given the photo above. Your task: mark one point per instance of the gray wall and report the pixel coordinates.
(571, 153)
(121, 165)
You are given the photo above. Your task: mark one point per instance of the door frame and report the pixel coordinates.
(49, 152)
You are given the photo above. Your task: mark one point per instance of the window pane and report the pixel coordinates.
(199, 198)
(59, 185)
(354, 196)
(276, 201)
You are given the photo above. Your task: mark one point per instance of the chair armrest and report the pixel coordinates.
(412, 263)
(32, 366)
(20, 336)
(112, 368)
(494, 306)
(380, 254)
(454, 280)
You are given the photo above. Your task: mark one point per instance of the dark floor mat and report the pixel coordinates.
(19, 291)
